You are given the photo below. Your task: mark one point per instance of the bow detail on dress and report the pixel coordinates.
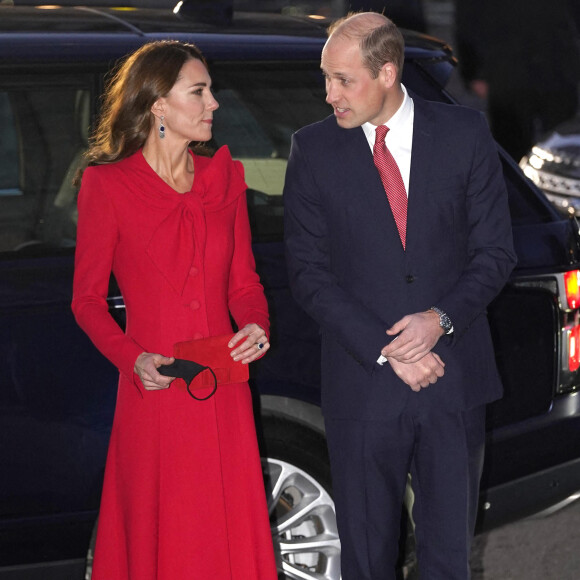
(173, 245)
(180, 238)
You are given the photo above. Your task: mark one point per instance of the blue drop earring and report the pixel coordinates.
(161, 128)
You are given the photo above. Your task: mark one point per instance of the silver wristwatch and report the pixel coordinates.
(444, 320)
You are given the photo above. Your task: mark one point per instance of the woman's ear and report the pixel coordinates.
(158, 108)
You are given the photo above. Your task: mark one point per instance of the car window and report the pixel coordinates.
(260, 108)
(45, 124)
(45, 127)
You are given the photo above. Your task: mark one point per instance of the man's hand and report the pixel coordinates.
(419, 333)
(420, 374)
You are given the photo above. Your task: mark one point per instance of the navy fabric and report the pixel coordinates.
(349, 272)
(370, 460)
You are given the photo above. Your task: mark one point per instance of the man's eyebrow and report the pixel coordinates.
(339, 75)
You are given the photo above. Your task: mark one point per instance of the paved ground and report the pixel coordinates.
(536, 549)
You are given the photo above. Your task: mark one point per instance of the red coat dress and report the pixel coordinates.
(183, 497)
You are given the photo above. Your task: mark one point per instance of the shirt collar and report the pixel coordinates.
(399, 119)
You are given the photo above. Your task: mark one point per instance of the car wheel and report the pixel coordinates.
(299, 490)
(303, 523)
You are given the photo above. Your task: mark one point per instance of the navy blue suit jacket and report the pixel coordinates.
(349, 271)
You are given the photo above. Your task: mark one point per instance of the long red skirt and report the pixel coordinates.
(183, 497)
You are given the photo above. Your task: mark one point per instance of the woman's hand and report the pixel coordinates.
(146, 367)
(255, 345)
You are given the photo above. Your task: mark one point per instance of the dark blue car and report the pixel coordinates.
(57, 393)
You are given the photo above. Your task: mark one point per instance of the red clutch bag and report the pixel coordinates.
(213, 355)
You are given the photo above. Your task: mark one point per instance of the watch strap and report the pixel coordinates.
(444, 320)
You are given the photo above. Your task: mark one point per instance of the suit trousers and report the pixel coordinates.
(370, 461)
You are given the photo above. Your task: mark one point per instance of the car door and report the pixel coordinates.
(57, 392)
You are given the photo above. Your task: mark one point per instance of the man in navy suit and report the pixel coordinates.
(396, 249)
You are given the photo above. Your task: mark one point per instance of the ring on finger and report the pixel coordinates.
(260, 345)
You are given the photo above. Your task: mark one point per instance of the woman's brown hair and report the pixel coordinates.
(143, 77)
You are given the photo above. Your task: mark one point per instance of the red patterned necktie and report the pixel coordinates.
(392, 181)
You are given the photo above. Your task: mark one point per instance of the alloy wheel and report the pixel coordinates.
(303, 522)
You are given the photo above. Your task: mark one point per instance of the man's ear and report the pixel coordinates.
(389, 74)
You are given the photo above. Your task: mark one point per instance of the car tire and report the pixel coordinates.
(299, 491)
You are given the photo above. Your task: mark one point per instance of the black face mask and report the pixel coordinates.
(187, 370)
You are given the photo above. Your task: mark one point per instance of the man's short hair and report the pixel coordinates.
(379, 39)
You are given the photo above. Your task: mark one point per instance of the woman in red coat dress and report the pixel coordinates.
(183, 497)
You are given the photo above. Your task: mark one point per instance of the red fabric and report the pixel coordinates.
(392, 181)
(212, 352)
(183, 497)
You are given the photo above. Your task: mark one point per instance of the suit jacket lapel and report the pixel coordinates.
(423, 143)
(363, 180)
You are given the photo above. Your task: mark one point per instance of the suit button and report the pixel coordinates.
(194, 305)
(409, 279)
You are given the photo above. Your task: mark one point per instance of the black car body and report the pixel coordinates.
(57, 393)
